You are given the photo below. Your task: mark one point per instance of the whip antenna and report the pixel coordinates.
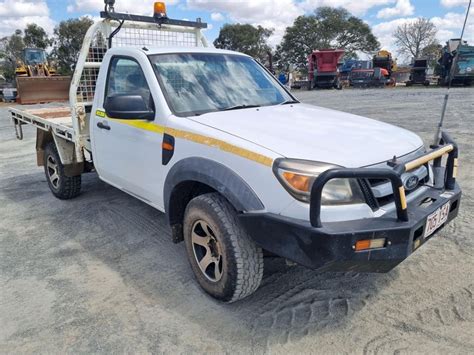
(451, 72)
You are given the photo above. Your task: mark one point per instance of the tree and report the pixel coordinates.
(327, 28)
(14, 46)
(68, 37)
(36, 37)
(12, 52)
(412, 37)
(246, 39)
(432, 53)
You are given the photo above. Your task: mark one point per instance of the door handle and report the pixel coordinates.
(103, 125)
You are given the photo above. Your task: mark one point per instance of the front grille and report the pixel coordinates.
(382, 188)
(369, 195)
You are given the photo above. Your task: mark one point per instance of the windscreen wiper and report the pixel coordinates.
(290, 102)
(238, 107)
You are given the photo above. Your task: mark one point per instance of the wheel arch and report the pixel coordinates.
(192, 177)
(65, 148)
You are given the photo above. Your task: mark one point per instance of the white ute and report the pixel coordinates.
(212, 139)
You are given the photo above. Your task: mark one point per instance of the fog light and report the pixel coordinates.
(367, 244)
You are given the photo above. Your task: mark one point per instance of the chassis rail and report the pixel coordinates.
(393, 173)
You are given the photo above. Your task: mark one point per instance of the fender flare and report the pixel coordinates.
(217, 176)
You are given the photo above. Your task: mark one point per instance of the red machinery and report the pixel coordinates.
(323, 72)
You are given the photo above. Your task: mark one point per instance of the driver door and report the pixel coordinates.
(127, 152)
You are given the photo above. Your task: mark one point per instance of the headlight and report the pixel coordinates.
(298, 176)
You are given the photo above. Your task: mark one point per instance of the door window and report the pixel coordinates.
(126, 78)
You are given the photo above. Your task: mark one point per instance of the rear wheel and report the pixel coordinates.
(227, 264)
(62, 186)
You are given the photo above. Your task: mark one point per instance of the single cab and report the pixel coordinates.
(236, 162)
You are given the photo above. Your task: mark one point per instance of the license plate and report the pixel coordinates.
(436, 220)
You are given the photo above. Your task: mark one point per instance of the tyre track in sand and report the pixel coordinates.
(297, 302)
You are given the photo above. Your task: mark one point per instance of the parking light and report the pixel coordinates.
(367, 244)
(298, 181)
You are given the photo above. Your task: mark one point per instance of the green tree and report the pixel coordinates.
(11, 53)
(14, 46)
(36, 37)
(327, 28)
(68, 37)
(432, 53)
(412, 37)
(246, 39)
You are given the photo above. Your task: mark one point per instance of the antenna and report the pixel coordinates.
(451, 72)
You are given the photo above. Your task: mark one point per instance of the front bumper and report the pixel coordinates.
(331, 246)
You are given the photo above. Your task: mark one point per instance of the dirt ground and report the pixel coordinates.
(99, 274)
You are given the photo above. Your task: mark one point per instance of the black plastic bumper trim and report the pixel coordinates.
(331, 246)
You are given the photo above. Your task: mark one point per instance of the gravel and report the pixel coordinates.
(99, 274)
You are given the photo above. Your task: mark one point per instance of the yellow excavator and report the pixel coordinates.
(37, 81)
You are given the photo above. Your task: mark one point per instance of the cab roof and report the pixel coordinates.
(165, 50)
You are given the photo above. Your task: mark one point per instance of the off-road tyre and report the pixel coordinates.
(241, 259)
(62, 186)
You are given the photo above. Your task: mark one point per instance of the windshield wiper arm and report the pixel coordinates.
(290, 102)
(238, 107)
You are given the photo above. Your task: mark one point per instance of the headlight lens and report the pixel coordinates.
(298, 176)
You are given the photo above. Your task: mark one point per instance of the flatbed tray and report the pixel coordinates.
(57, 119)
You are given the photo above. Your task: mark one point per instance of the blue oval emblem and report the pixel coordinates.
(411, 182)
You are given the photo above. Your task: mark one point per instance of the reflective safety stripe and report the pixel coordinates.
(426, 158)
(403, 199)
(193, 137)
(217, 143)
(146, 126)
(455, 168)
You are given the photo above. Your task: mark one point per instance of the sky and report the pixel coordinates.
(382, 15)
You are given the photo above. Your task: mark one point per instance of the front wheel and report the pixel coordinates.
(62, 186)
(227, 263)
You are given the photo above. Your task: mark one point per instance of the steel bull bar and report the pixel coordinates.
(393, 172)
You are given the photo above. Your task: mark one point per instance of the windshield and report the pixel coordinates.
(466, 60)
(197, 83)
(35, 56)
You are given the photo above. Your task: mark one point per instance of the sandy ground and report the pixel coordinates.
(100, 274)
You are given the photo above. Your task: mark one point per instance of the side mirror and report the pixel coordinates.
(128, 107)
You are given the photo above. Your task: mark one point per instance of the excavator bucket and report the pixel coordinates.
(40, 89)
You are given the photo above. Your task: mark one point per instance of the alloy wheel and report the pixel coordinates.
(207, 250)
(53, 171)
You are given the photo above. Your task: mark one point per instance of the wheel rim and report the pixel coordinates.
(53, 173)
(207, 250)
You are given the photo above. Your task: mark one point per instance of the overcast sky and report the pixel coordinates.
(382, 15)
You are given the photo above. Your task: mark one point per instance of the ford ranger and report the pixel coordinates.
(236, 162)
